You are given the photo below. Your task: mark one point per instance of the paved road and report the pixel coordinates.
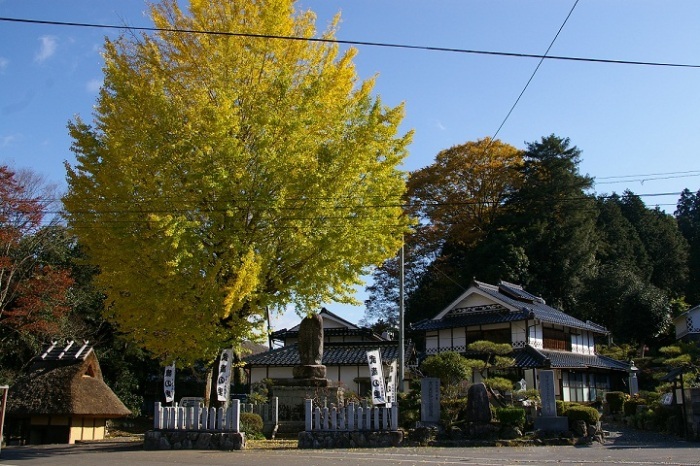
(638, 449)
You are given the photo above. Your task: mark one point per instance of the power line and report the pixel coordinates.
(651, 178)
(532, 76)
(354, 42)
(143, 210)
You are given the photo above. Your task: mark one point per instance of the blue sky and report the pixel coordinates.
(638, 124)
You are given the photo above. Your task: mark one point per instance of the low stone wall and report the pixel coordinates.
(353, 439)
(193, 440)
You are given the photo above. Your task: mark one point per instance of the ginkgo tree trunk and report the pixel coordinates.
(229, 168)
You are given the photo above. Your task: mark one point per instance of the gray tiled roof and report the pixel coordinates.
(530, 357)
(334, 354)
(329, 332)
(527, 306)
(542, 311)
(467, 320)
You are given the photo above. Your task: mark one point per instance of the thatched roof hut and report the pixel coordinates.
(62, 398)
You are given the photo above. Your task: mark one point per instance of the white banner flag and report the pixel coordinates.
(223, 382)
(376, 377)
(169, 383)
(391, 383)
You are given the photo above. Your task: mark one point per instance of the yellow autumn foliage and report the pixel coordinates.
(226, 173)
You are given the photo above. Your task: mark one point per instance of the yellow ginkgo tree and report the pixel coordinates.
(228, 169)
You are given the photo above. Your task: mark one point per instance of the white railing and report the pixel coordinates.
(197, 418)
(269, 412)
(350, 418)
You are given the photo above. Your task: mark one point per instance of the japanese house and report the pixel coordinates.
(542, 337)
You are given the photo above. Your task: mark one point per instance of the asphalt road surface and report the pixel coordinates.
(621, 448)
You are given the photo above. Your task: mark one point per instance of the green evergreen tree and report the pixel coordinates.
(619, 240)
(634, 310)
(663, 242)
(553, 220)
(688, 218)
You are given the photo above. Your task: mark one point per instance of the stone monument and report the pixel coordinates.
(478, 405)
(311, 349)
(430, 400)
(549, 421)
(309, 379)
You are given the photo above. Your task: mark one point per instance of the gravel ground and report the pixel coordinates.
(622, 435)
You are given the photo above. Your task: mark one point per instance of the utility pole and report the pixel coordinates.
(402, 356)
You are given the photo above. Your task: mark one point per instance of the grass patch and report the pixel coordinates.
(281, 444)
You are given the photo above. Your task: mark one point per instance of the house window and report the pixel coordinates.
(500, 335)
(555, 339)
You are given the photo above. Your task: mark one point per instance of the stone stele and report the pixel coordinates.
(310, 349)
(478, 406)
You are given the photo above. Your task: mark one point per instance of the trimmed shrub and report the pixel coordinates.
(629, 407)
(563, 406)
(511, 416)
(500, 384)
(615, 401)
(251, 423)
(583, 413)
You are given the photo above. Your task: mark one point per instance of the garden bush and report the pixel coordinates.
(251, 424)
(511, 416)
(629, 407)
(615, 401)
(583, 413)
(563, 406)
(409, 414)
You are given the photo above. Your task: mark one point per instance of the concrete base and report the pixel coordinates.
(552, 423)
(193, 440)
(291, 398)
(354, 439)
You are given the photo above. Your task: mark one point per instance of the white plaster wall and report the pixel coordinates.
(344, 374)
(445, 339)
(328, 323)
(475, 299)
(518, 332)
(459, 337)
(576, 346)
(583, 343)
(536, 336)
(279, 372)
(431, 341)
(348, 374)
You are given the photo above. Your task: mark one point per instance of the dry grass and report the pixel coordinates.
(282, 444)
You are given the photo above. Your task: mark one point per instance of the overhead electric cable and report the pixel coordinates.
(352, 42)
(534, 72)
(644, 180)
(613, 177)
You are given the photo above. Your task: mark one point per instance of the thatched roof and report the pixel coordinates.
(64, 380)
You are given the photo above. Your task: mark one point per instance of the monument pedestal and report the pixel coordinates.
(552, 423)
(291, 394)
